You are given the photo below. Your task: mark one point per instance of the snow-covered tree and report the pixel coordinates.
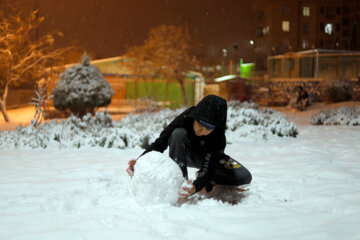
(24, 56)
(82, 88)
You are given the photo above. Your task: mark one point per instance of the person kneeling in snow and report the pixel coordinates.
(196, 138)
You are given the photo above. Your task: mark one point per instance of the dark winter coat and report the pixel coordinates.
(211, 109)
(302, 94)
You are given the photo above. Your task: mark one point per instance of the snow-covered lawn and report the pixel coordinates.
(306, 187)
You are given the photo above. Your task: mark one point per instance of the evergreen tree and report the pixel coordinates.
(82, 88)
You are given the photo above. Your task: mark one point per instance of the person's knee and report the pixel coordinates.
(178, 140)
(243, 177)
(248, 178)
(178, 134)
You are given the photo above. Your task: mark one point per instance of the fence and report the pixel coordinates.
(315, 65)
(314, 70)
(137, 94)
(19, 97)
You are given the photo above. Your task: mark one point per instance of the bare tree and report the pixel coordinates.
(23, 56)
(40, 101)
(169, 52)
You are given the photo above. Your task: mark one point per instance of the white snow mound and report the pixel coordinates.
(157, 179)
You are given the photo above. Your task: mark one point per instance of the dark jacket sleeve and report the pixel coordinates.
(161, 143)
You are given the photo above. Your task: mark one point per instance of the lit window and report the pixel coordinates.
(286, 26)
(305, 44)
(262, 31)
(266, 30)
(306, 11)
(329, 28)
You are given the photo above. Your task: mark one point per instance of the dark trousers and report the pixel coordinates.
(226, 170)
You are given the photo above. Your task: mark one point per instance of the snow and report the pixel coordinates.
(306, 187)
(243, 121)
(157, 179)
(338, 116)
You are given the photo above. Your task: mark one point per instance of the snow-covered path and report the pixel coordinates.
(303, 188)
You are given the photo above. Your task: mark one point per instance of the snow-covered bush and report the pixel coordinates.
(100, 130)
(244, 121)
(236, 105)
(143, 129)
(82, 88)
(341, 116)
(73, 132)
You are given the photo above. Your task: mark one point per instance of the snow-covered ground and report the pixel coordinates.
(306, 187)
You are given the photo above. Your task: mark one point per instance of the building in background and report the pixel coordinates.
(295, 25)
(247, 29)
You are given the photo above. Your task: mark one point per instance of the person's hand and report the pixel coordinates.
(186, 191)
(131, 169)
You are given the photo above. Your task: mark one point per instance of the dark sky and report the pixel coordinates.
(107, 28)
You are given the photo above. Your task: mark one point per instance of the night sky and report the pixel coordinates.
(107, 28)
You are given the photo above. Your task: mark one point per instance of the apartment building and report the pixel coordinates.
(294, 25)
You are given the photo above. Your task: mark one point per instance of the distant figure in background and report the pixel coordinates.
(302, 100)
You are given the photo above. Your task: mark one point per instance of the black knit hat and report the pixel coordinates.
(212, 111)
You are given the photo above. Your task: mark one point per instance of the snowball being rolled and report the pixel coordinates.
(157, 179)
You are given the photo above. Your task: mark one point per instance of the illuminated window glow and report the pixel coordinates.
(306, 11)
(329, 28)
(305, 44)
(286, 26)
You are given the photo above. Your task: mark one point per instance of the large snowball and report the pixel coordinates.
(157, 179)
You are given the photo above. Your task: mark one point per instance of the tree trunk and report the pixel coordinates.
(3, 111)
(3, 104)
